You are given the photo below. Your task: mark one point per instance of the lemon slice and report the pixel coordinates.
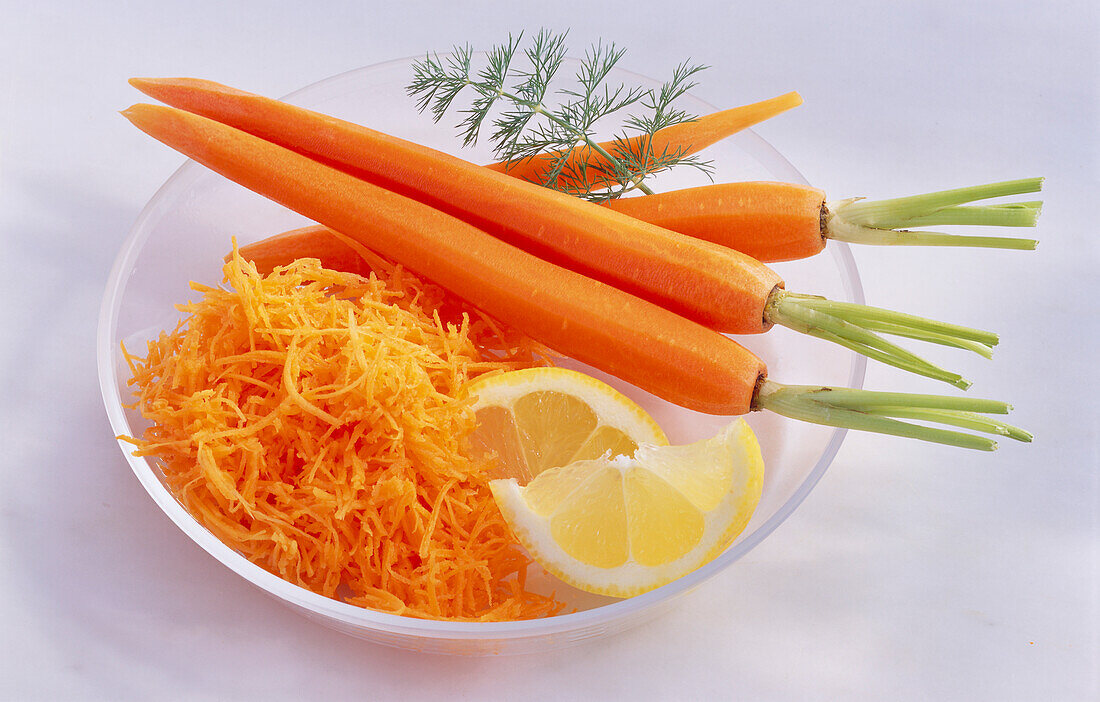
(535, 419)
(622, 526)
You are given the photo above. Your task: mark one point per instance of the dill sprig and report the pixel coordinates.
(528, 123)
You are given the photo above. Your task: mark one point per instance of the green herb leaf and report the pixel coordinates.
(528, 119)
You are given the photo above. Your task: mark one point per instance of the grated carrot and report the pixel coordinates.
(308, 419)
(317, 241)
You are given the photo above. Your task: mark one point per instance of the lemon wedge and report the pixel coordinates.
(624, 525)
(535, 419)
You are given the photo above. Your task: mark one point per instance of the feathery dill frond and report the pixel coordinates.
(527, 122)
(438, 82)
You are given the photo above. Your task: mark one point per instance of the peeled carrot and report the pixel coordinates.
(595, 323)
(714, 285)
(685, 138)
(768, 221)
(637, 341)
(783, 221)
(718, 287)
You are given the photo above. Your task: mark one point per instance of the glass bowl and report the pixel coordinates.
(185, 229)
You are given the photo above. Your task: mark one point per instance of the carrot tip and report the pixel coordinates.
(135, 113)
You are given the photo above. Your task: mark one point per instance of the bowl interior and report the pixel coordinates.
(187, 227)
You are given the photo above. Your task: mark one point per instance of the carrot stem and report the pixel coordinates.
(881, 222)
(855, 312)
(867, 399)
(879, 412)
(858, 234)
(1009, 214)
(861, 340)
(897, 211)
(857, 327)
(931, 337)
(967, 420)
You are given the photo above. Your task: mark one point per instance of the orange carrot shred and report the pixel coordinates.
(308, 418)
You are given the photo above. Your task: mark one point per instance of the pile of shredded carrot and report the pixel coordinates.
(309, 419)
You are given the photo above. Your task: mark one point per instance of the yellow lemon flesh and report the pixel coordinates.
(532, 420)
(624, 525)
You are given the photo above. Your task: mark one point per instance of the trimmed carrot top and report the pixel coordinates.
(308, 419)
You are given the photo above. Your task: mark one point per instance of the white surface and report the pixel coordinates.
(911, 571)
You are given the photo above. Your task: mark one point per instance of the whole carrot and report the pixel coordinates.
(714, 285)
(769, 221)
(588, 320)
(783, 221)
(642, 343)
(585, 165)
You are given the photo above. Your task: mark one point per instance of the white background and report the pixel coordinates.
(912, 571)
